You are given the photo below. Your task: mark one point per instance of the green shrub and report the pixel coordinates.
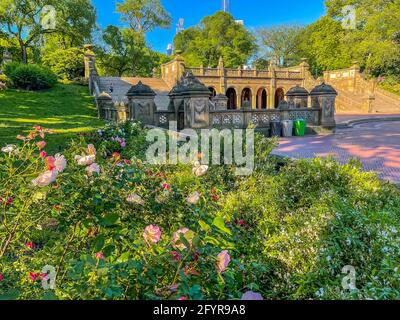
(391, 84)
(9, 68)
(288, 233)
(32, 77)
(66, 64)
(4, 80)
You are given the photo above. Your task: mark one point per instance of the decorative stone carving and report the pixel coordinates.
(141, 103)
(104, 105)
(323, 97)
(220, 102)
(297, 97)
(195, 97)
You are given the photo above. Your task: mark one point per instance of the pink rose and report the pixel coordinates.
(93, 168)
(45, 178)
(166, 186)
(176, 256)
(43, 154)
(85, 160)
(193, 198)
(41, 144)
(50, 163)
(100, 256)
(32, 276)
(60, 163)
(1, 277)
(250, 295)
(200, 170)
(223, 260)
(30, 245)
(182, 299)
(152, 234)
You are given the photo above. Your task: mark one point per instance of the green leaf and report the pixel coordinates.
(99, 243)
(212, 240)
(204, 226)
(108, 250)
(220, 224)
(110, 219)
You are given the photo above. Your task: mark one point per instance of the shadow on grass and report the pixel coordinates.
(66, 109)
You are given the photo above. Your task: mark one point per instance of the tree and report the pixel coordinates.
(322, 43)
(216, 36)
(21, 18)
(124, 53)
(65, 63)
(280, 43)
(115, 56)
(76, 19)
(373, 41)
(24, 22)
(144, 15)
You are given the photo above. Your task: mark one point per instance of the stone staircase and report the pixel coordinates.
(122, 85)
(350, 102)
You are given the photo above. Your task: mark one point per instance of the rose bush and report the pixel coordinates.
(115, 227)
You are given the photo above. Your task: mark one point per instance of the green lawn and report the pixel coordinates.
(67, 109)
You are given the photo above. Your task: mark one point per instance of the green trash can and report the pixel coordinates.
(299, 127)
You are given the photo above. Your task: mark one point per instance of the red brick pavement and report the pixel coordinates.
(376, 145)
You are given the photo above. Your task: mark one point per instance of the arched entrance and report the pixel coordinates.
(279, 96)
(262, 99)
(246, 97)
(213, 92)
(232, 98)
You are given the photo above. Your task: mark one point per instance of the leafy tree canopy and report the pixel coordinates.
(122, 52)
(216, 36)
(144, 15)
(280, 43)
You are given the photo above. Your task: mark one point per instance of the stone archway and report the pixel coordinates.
(262, 99)
(279, 96)
(213, 92)
(232, 98)
(246, 97)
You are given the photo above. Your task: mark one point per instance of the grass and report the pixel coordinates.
(67, 109)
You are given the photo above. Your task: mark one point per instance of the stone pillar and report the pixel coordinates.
(194, 97)
(355, 69)
(323, 97)
(254, 99)
(221, 74)
(141, 106)
(370, 103)
(104, 104)
(272, 87)
(298, 97)
(220, 102)
(240, 71)
(173, 70)
(89, 59)
(305, 71)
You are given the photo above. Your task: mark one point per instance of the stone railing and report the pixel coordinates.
(246, 73)
(260, 119)
(241, 119)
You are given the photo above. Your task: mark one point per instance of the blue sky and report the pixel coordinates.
(255, 13)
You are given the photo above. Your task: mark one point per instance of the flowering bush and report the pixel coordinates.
(115, 227)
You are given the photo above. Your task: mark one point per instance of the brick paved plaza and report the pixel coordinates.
(376, 145)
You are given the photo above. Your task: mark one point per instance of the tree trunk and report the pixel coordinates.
(24, 53)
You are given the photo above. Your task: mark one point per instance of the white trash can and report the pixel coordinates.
(287, 128)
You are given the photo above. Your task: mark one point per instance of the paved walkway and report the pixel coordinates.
(376, 145)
